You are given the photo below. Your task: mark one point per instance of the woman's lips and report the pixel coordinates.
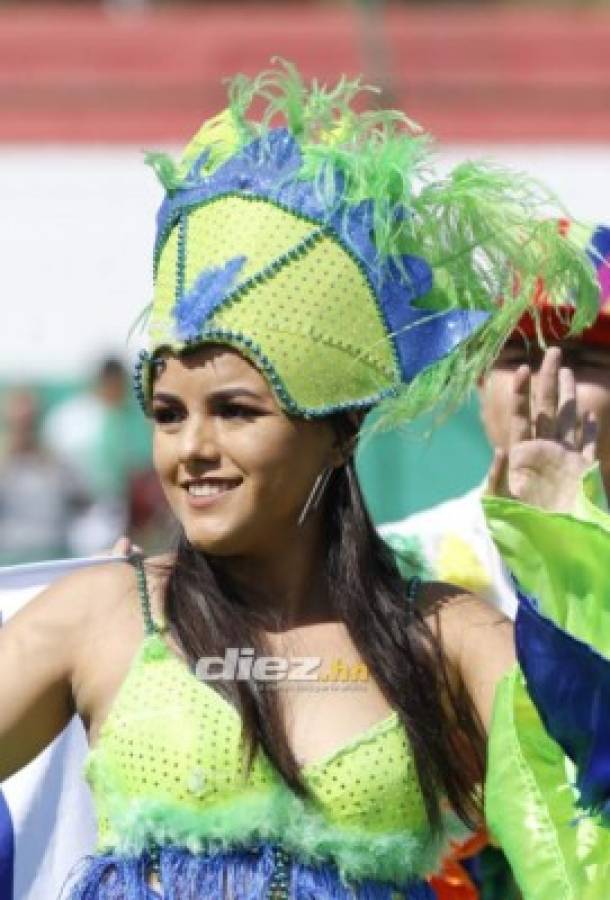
(200, 496)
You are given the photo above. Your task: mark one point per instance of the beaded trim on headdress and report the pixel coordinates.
(314, 240)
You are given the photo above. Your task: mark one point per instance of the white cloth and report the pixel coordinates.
(49, 804)
(456, 544)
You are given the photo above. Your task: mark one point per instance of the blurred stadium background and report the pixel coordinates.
(85, 87)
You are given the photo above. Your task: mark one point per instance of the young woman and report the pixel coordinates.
(274, 710)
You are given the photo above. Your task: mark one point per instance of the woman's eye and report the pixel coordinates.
(165, 415)
(236, 411)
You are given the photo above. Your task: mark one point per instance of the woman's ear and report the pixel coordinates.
(346, 439)
(337, 452)
(357, 417)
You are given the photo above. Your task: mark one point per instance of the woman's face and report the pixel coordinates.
(235, 469)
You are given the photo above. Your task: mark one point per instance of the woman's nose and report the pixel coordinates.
(198, 440)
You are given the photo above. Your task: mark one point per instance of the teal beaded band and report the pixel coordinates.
(246, 345)
(138, 376)
(137, 561)
(181, 256)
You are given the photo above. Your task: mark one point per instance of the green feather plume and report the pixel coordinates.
(378, 152)
(165, 169)
(492, 243)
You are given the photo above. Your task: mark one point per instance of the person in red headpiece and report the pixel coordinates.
(453, 536)
(587, 355)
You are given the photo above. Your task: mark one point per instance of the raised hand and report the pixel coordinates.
(550, 444)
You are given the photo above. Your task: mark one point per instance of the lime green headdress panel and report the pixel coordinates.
(293, 300)
(299, 238)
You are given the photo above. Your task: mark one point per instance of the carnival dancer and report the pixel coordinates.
(300, 280)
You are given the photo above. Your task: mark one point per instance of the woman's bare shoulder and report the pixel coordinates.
(75, 600)
(103, 590)
(460, 618)
(450, 602)
(478, 639)
(67, 635)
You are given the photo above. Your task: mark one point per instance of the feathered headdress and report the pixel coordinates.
(317, 241)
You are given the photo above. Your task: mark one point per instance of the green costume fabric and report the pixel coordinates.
(556, 851)
(191, 789)
(571, 586)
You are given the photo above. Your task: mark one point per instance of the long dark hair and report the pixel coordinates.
(207, 613)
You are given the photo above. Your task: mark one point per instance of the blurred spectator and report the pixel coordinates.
(39, 494)
(101, 434)
(150, 518)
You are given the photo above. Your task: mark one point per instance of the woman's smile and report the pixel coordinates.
(204, 492)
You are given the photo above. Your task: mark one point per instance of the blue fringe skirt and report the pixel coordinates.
(264, 873)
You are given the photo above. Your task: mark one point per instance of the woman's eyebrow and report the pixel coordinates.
(167, 398)
(221, 393)
(231, 393)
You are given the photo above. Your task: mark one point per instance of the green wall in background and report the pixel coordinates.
(403, 472)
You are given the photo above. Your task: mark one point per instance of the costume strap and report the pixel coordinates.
(150, 626)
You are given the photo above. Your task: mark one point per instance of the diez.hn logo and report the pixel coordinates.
(240, 664)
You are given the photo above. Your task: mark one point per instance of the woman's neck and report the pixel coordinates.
(289, 583)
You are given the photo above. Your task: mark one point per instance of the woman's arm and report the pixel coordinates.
(63, 644)
(36, 658)
(479, 643)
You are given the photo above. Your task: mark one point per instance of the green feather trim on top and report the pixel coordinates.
(165, 169)
(487, 235)
(378, 152)
(278, 816)
(500, 216)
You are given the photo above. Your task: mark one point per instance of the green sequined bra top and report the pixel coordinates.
(173, 796)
